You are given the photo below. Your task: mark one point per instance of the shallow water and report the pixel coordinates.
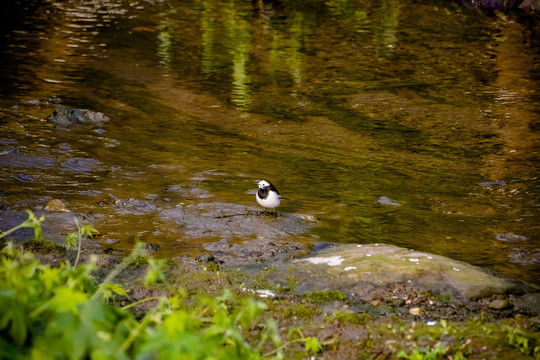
(337, 103)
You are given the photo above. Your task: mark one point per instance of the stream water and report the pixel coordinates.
(340, 104)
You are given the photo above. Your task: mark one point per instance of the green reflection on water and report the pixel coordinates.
(166, 43)
(208, 30)
(239, 45)
(385, 28)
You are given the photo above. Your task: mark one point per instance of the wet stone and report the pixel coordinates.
(24, 178)
(9, 151)
(135, 207)
(19, 159)
(84, 165)
(384, 200)
(190, 192)
(509, 237)
(227, 221)
(524, 256)
(491, 183)
(65, 116)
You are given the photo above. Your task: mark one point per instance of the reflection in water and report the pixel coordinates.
(287, 49)
(64, 41)
(513, 110)
(238, 42)
(232, 49)
(166, 44)
(208, 38)
(385, 28)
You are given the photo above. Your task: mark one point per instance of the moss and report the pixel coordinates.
(300, 311)
(442, 298)
(262, 282)
(44, 247)
(372, 309)
(321, 297)
(293, 283)
(138, 262)
(212, 266)
(350, 317)
(169, 264)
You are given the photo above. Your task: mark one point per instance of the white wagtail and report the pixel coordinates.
(267, 195)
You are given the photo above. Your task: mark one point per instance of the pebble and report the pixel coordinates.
(414, 311)
(56, 206)
(498, 304)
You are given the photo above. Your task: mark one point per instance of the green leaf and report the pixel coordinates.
(250, 311)
(155, 272)
(36, 224)
(116, 289)
(49, 277)
(88, 230)
(71, 240)
(313, 345)
(67, 299)
(16, 320)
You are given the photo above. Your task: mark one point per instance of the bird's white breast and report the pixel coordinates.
(271, 201)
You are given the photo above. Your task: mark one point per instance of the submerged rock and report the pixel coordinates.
(84, 165)
(384, 200)
(490, 183)
(189, 192)
(66, 116)
(510, 237)
(133, 206)
(361, 271)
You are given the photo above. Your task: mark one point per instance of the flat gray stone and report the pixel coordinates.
(360, 271)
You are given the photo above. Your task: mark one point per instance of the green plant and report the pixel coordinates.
(521, 341)
(71, 238)
(63, 313)
(311, 343)
(214, 328)
(425, 352)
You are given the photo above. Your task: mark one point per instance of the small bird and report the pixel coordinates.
(267, 195)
